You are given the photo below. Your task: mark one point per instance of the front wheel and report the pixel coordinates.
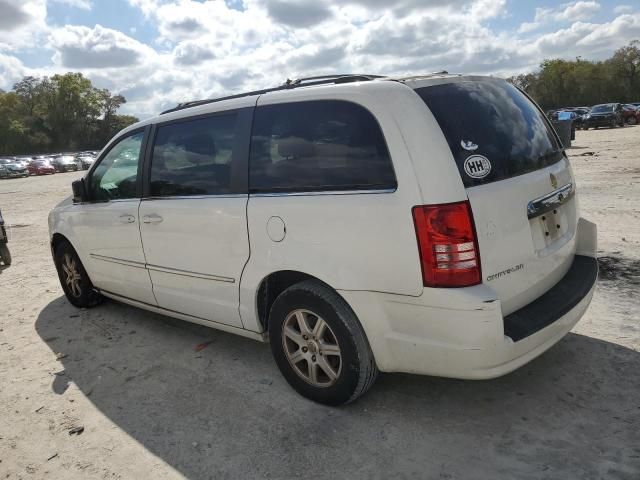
(319, 345)
(5, 254)
(74, 278)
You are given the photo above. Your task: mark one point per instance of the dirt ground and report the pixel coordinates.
(154, 407)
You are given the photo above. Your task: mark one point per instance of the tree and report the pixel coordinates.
(564, 83)
(64, 112)
(625, 65)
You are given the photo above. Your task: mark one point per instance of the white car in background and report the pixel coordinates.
(426, 225)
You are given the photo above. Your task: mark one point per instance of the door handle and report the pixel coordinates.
(127, 218)
(153, 218)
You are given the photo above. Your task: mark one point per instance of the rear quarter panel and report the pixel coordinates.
(358, 241)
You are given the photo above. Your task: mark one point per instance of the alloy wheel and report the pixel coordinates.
(311, 348)
(72, 276)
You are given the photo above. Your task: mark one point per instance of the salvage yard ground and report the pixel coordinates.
(153, 405)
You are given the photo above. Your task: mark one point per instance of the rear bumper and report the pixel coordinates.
(461, 333)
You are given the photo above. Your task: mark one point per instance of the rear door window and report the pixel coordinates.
(493, 130)
(193, 157)
(318, 145)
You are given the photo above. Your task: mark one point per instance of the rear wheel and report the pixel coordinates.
(5, 254)
(74, 278)
(632, 120)
(319, 345)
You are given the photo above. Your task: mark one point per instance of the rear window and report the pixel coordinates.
(494, 131)
(318, 145)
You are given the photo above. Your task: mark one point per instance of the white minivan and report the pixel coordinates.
(357, 223)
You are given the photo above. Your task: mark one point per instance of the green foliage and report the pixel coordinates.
(61, 113)
(565, 83)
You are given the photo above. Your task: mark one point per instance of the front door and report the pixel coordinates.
(107, 225)
(193, 217)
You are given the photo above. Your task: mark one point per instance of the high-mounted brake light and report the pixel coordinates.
(448, 246)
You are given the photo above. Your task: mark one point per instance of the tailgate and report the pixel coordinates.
(518, 181)
(526, 233)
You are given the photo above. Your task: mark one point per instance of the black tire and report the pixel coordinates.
(632, 120)
(84, 296)
(5, 254)
(358, 369)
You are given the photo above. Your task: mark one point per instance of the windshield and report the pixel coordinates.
(493, 121)
(602, 109)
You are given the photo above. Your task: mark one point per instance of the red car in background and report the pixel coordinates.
(40, 167)
(631, 114)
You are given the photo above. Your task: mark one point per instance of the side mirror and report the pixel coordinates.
(79, 191)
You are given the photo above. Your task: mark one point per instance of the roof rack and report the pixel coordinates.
(289, 84)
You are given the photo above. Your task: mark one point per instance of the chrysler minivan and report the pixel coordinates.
(357, 223)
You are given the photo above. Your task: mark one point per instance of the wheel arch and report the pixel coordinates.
(56, 239)
(277, 282)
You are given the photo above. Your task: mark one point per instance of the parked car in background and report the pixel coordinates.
(41, 167)
(21, 161)
(65, 163)
(631, 114)
(85, 161)
(13, 169)
(311, 218)
(604, 115)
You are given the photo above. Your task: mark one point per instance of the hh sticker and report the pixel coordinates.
(477, 166)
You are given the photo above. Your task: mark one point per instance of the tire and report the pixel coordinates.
(5, 254)
(632, 120)
(80, 292)
(352, 365)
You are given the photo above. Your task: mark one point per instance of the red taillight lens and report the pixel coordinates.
(448, 246)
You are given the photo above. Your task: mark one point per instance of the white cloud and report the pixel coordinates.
(22, 23)
(11, 70)
(78, 47)
(567, 12)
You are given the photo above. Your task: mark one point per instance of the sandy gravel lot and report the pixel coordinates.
(152, 407)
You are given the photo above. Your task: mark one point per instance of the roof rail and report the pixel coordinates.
(289, 84)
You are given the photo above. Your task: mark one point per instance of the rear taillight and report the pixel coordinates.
(448, 246)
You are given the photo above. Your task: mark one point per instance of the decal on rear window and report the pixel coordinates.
(468, 145)
(477, 166)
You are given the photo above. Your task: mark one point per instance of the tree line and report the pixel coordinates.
(575, 83)
(56, 114)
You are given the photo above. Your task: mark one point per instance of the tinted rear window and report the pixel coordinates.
(494, 120)
(318, 145)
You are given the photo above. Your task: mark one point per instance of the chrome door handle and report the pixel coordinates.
(153, 218)
(127, 218)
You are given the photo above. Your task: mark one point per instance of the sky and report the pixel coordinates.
(158, 53)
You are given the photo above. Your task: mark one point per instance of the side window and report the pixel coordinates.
(318, 145)
(116, 175)
(193, 157)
